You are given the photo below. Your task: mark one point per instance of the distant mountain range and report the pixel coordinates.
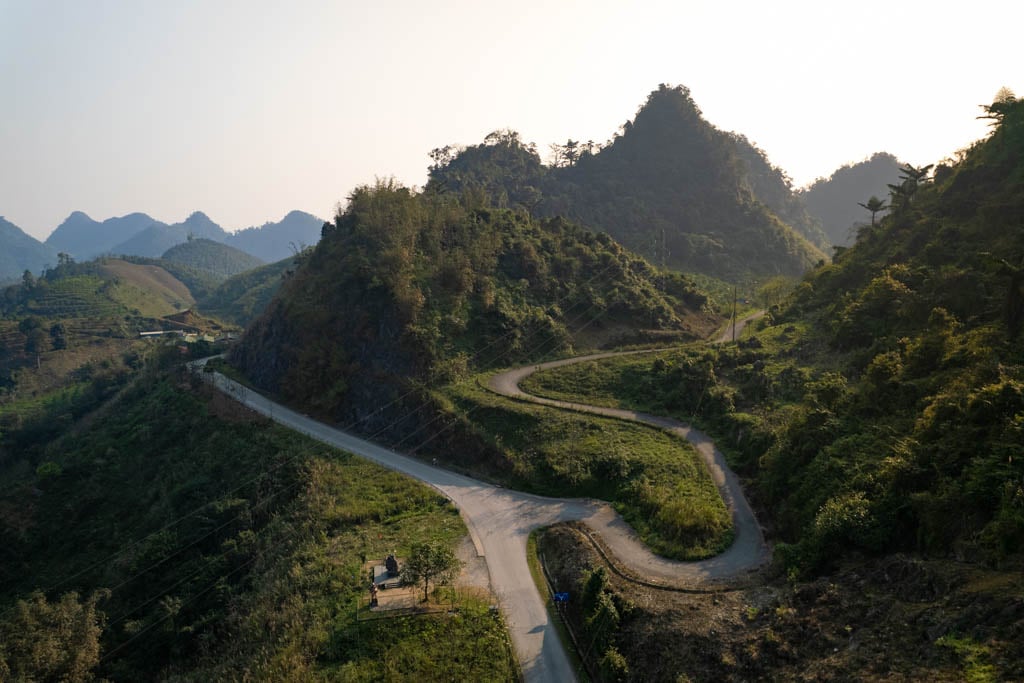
(84, 238)
(19, 252)
(274, 241)
(157, 238)
(139, 234)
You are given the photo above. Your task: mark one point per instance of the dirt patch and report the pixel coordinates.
(895, 619)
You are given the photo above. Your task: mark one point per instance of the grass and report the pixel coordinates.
(656, 481)
(595, 382)
(974, 657)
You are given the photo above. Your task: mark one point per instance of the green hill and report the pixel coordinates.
(773, 188)
(410, 288)
(671, 187)
(214, 258)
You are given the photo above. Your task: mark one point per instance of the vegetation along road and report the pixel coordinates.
(501, 520)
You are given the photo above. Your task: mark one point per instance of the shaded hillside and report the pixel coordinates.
(671, 187)
(241, 298)
(275, 241)
(835, 200)
(773, 188)
(84, 238)
(158, 238)
(218, 260)
(408, 288)
(19, 252)
(928, 308)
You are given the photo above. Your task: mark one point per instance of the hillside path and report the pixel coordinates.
(727, 334)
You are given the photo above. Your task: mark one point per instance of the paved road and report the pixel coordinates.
(500, 521)
(747, 552)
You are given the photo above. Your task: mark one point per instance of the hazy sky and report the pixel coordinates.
(246, 110)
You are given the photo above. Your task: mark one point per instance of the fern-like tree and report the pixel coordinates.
(874, 205)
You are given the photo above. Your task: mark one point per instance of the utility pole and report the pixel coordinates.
(734, 313)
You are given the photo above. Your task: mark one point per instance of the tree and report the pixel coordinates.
(57, 641)
(59, 336)
(442, 156)
(996, 111)
(37, 341)
(874, 205)
(567, 154)
(430, 562)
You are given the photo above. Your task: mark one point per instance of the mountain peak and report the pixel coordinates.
(77, 216)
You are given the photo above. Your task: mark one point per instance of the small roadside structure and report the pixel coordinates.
(387, 575)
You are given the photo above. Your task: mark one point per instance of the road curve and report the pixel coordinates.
(748, 550)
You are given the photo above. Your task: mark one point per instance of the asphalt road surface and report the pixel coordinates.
(500, 521)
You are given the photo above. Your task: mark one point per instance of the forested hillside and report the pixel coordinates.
(408, 288)
(838, 201)
(242, 297)
(878, 418)
(671, 187)
(926, 414)
(882, 408)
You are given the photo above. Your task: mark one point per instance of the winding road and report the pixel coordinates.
(500, 520)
